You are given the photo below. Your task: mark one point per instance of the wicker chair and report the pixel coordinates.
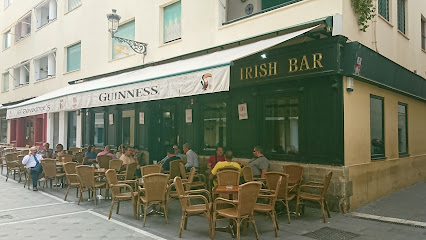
(197, 176)
(243, 207)
(75, 150)
(115, 164)
(86, 174)
(228, 177)
(72, 177)
(103, 161)
(191, 183)
(248, 175)
(49, 169)
(66, 158)
(13, 166)
(188, 208)
(295, 178)
(129, 174)
(320, 198)
(174, 168)
(25, 152)
(154, 192)
(79, 157)
(85, 161)
(270, 206)
(284, 192)
(117, 195)
(149, 169)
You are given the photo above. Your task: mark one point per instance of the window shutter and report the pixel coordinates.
(74, 57)
(172, 22)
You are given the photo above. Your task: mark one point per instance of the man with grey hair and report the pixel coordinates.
(32, 162)
(191, 157)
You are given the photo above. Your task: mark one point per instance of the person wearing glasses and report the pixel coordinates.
(259, 163)
(176, 152)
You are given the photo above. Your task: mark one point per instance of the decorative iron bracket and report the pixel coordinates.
(138, 47)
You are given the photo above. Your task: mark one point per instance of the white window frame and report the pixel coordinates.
(23, 68)
(45, 13)
(7, 3)
(69, 8)
(48, 69)
(9, 32)
(3, 81)
(24, 22)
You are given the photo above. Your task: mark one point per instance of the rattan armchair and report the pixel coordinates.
(72, 177)
(270, 206)
(189, 209)
(75, 150)
(128, 176)
(117, 195)
(295, 178)
(149, 169)
(248, 175)
(103, 161)
(284, 192)
(228, 177)
(66, 158)
(49, 169)
(242, 208)
(175, 169)
(309, 196)
(154, 192)
(195, 180)
(12, 165)
(115, 164)
(86, 174)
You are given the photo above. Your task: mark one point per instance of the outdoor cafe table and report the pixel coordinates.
(231, 190)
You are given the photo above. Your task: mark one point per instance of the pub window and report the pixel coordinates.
(214, 125)
(377, 127)
(401, 16)
(55, 129)
(74, 57)
(72, 129)
(423, 36)
(233, 10)
(99, 130)
(172, 22)
(3, 129)
(127, 31)
(282, 125)
(402, 129)
(384, 9)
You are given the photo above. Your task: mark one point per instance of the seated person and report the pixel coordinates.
(120, 151)
(106, 151)
(191, 157)
(227, 163)
(176, 153)
(259, 163)
(46, 152)
(59, 151)
(171, 156)
(127, 158)
(91, 154)
(218, 157)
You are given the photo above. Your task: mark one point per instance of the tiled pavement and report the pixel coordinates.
(26, 214)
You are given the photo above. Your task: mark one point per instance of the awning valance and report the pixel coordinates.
(198, 75)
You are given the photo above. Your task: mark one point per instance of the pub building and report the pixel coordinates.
(308, 96)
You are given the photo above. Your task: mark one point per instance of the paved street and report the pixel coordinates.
(26, 214)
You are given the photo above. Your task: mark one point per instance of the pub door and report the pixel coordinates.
(164, 129)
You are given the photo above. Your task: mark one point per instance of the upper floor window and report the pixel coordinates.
(45, 66)
(5, 82)
(74, 57)
(73, 4)
(7, 39)
(120, 50)
(45, 13)
(423, 25)
(23, 28)
(384, 9)
(281, 121)
(233, 10)
(377, 132)
(7, 3)
(21, 75)
(401, 15)
(402, 129)
(172, 22)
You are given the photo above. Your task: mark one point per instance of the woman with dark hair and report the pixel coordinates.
(91, 154)
(59, 151)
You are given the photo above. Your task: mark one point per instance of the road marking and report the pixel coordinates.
(128, 226)
(41, 218)
(389, 219)
(54, 197)
(21, 208)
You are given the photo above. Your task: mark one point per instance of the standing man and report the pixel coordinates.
(259, 163)
(46, 152)
(32, 161)
(191, 157)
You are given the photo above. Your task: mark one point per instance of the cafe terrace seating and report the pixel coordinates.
(103, 161)
(285, 193)
(243, 207)
(72, 177)
(248, 175)
(154, 192)
(66, 158)
(117, 195)
(49, 169)
(271, 196)
(75, 150)
(128, 176)
(149, 169)
(86, 174)
(115, 164)
(295, 173)
(189, 209)
(12, 165)
(191, 178)
(304, 195)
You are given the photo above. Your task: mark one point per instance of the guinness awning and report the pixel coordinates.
(198, 75)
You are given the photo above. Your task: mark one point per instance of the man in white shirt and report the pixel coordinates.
(191, 157)
(32, 161)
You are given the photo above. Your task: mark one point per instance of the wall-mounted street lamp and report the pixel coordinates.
(113, 23)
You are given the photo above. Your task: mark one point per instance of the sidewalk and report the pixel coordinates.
(26, 214)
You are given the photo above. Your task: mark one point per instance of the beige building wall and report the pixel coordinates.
(373, 179)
